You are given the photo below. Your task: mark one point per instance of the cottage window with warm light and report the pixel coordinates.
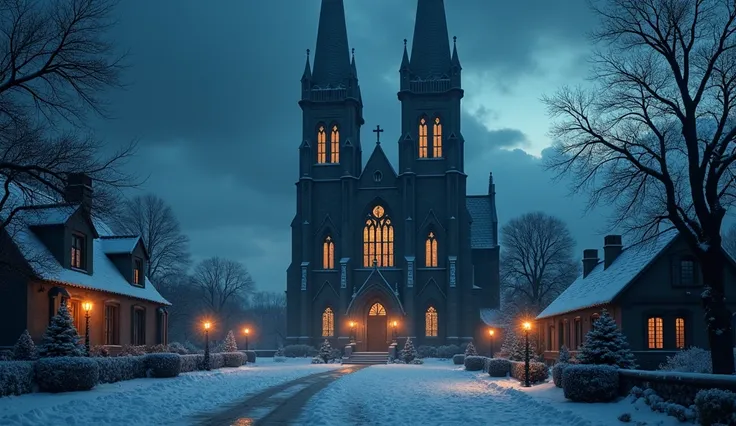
(137, 271)
(78, 260)
(680, 333)
(655, 333)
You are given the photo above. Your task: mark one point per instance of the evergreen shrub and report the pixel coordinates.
(590, 383)
(16, 377)
(474, 362)
(538, 371)
(234, 359)
(458, 359)
(498, 367)
(120, 368)
(161, 365)
(66, 374)
(716, 406)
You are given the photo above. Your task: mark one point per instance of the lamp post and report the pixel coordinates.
(207, 326)
(246, 331)
(491, 332)
(527, 327)
(393, 326)
(352, 331)
(87, 306)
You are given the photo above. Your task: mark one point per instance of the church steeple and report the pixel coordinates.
(332, 55)
(430, 50)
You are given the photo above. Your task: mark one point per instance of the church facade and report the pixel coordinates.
(382, 253)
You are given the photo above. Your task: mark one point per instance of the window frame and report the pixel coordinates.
(431, 322)
(334, 149)
(431, 251)
(328, 253)
(328, 322)
(375, 226)
(110, 336)
(680, 332)
(78, 253)
(138, 331)
(437, 136)
(138, 272)
(654, 333)
(423, 139)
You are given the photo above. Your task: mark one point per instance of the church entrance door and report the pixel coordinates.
(376, 329)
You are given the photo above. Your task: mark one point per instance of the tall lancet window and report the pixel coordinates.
(328, 253)
(423, 138)
(378, 240)
(437, 138)
(321, 145)
(328, 323)
(335, 145)
(430, 322)
(431, 251)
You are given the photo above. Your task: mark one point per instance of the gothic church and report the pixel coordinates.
(382, 253)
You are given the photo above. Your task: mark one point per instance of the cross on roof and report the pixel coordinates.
(378, 130)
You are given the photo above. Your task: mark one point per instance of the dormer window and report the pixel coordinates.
(78, 254)
(137, 271)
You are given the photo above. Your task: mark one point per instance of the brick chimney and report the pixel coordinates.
(612, 247)
(590, 259)
(79, 190)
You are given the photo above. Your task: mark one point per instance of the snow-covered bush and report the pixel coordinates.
(192, 362)
(396, 361)
(659, 404)
(564, 355)
(590, 383)
(16, 377)
(474, 362)
(693, 360)
(716, 406)
(6, 355)
(409, 353)
(300, 351)
(66, 374)
(426, 351)
(277, 358)
(230, 344)
(191, 347)
(178, 348)
(325, 351)
(159, 348)
(557, 373)
(250, 356)
(99, 351)
(498, 367)
(605, 344)
(538, 371)
(60, 338)
(458, 359)
(217, 360)
(624, 418)
(448, 351)
(24, 349)
(317, 360)
(234, 359)
(133, 350)
(470, 350)
(417, 361)
(119, 368)
(336, 355)
(161, 365)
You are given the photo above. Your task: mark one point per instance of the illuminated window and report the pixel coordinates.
(321, 145)
(328, 323)
(335, 145)
(78, 255)
(377, 310)
(75, 309)
(654, 333)
(423, 138)
(437, 139)
(680, 333)
(431, 251)
(328, 253)
(430, 322)
(138, 271)
(378, 240)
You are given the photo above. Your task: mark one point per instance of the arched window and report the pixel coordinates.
(680, 333)
(377, 310)
(328, 253)
(654, 333)
(430, 322)
(335, 145)
(328, 323)
(423, 138)
(430, 260)
(321, 145)
(378, 240)
(437, 138)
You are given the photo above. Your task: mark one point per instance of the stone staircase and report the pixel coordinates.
(366, 358)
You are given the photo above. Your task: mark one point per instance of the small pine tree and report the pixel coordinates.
(230, 344)
(470, 350)
(564, 354)
(325, 351)
(61, 338)
(24, 349)
(514, 346)
(409, 353)
(605, 344)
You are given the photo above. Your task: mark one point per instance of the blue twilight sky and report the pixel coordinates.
(212, 95)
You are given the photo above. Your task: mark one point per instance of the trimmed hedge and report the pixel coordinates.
(117, 369)
(538, 371)
(192, 362)
(300, 351)
(498, 367)
(217, 361)
(474, 362)
(16, 377)
(162, 365)
(250, 356)
(557, 373)
(458, 359)
(590, 383)
(66, 374)
(449, 351)
(426, 351)
(234, 359)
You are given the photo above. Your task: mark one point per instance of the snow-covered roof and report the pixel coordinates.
(601, 286)
(490, 317)
(48, 215)
(118, 245)
(483, 213)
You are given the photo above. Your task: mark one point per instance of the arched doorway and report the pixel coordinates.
(376, 326)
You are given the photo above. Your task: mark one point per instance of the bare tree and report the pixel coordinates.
(150, 217)
(655, 136)
(537, 260)
(267, 312)
(222, 281)
(729, 241)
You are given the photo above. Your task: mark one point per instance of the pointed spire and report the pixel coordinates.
(455, 59)
(491, 185)
(353, 68)
(405, 59)
(332, 55)
(307, 69)
(430, 50)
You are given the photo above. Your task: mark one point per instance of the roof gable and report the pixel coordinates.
(378, 162)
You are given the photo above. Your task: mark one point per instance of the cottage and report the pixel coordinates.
(58, 253)
(652, 290)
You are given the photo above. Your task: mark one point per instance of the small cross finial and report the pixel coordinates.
(454, 39)
(404, 42)
(353, 51)
(308, 53)
(378, 130)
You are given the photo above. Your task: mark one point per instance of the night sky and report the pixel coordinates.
(212, 96)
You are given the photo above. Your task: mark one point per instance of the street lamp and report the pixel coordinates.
(527, 327)
(491, 332)
(87, 306)
(352, 331)
(393, 325)
(207, 326)
(246, 331)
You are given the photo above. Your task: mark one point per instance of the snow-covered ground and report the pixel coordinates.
(153, 401)
(439, 393)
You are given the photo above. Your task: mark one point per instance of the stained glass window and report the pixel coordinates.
(378, 240)
(328, 323)
(430, 320)
(423, 138)
(431, 251)
(321, 145)
(328, 253)
(437, 139)
(377, 310)
(335, 145)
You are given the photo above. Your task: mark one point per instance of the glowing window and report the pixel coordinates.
(423, 138)
(430, 320)
(680, 333)
(328, 253)
(335, 145)
(377, 310)
(437, 138)
(328, 323)
(378, 240)
(654, 333)
(321, 145)
(430, 260)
